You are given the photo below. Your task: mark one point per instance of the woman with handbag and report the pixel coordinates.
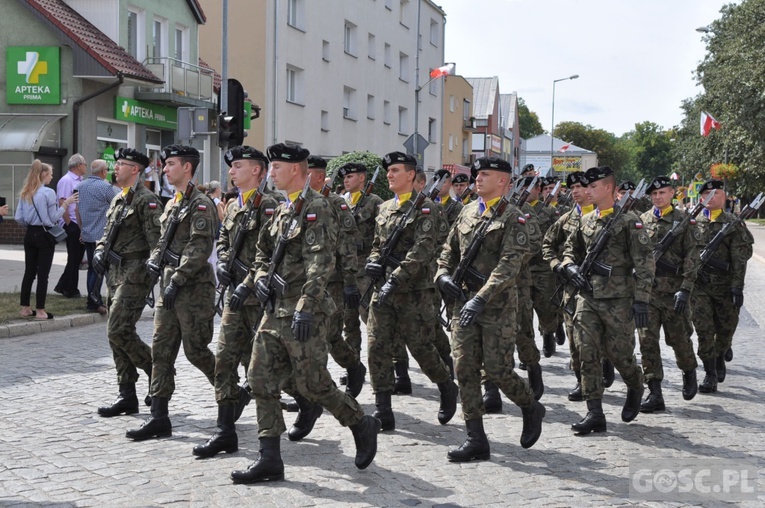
(39, 211)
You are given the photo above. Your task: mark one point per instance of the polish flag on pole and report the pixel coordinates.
(442, 71)
(708, 123)
(564, 147)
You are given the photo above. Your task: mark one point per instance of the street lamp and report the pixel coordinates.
(704, 29)
(552, 123)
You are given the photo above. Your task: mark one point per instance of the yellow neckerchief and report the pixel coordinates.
(125, 191)
(605, 213)
(487, 205)
(584, 210)
(554, 204)
(663, 212)
(246, 196)
(292, 197)
(443, 200)
(355, 197)
(403, 198)
(178, 197)
(712, 214)
(466, 200)
(534, 203)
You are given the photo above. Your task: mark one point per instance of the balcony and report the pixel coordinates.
(185, 84)
(468, 124)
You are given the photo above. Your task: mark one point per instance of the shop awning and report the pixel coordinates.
(26, 133)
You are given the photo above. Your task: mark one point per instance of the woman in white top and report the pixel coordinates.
(38, 210)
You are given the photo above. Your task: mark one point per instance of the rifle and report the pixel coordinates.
(367, 191)
(707, 254)
(233, 264)
(112, 258)
(328, 186)
(663, 245)
(524, 195)
(386, 251)
(552, 195)
(274, 280)
(467, 192)
(166, 256)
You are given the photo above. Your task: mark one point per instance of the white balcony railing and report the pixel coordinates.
(181, 78)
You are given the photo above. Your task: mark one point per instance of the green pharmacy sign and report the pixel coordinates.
(33, 75)
(146, 113)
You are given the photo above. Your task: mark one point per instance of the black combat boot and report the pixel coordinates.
(384, 412)
(729, 354)
(575, 395)
(535, 380)
(269, 466)
(158, 425)
(548, 344)
(492, 400)
(655, 399)
(244, 399)
(306, 418)
(127, 402)
(356, 376)
(560, 334)
(225, 439)
(532, 424)
(594, 420)
(709, 385)
(448, 406)
(403, 385)
(721, 369)
(365, 436)
(475, 447)
(608, 373)
(632, 404)
(690, 385)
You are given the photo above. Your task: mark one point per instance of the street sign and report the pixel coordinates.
(422, 144)
(193, 122)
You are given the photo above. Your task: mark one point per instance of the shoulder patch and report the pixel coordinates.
(310, 217)
(269, 211)
(696, 234)
(347, 222)
(152, 206)
(643, 238)
(157, 222)
(521, 238)
(200, 224)
(426, 211)
(343, 206)
(693, 222)
(521, 219)
(310, 237)
(638, 225)
(202, 208)
(427, 225)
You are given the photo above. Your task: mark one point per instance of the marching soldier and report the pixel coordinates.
(127, 280)
(460, 182)
(186, 307)
(452, 207)
(610, 299)
(246, 215)
(642, 205)
(397, 306)
(668, 306)
(483, 328)
(719, 292)
(291, 340)
(528, 170)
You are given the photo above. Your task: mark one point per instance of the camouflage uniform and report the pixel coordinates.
(276, 356)
(129, 282)
(190, 322)
(543, 279)
(528, 353)
(603, 319)
(452, 208)
(684, 254)
(488, 343)
(237, 328)
(714, 315)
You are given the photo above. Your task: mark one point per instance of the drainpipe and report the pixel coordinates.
(76, 110)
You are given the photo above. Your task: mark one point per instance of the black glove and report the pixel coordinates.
(241, 293)
(738, 297)
(99, 262)
(640, 312)
(224, 276)
(374, 270)
(575, 277)
(262, 291)
(448, 288)
(351, 296)
(470, 310)
(302, 325)
(153, 269)
(681, 300)
(385, 291)
(168, 297)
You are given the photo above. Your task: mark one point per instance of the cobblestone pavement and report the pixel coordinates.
(55, 451)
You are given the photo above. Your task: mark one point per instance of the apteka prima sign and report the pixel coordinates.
(33, 75)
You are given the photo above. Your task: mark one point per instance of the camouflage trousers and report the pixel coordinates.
(677, 335)
(409, 314)
(234, 348)
(605, 327)
(352, 318)
(342, 352)
(715, 319)
(130, 353)
(440, 338)
(528, 352)
(568, 320)
(278, 360)
(488, 344)
(542, 289)
(189, 323)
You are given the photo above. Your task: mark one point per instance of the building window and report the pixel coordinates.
(403, 14)
(465, 151)
(386, 112)
(451, 142)
(371, 107)
(325, 51)
(349, 101)
(294, 85)
(159, 29)
(434, 32)
(465, 110)
(325, 121)
(349, 38)
(371, 49)
(296, 13)
(132, 33)
(182, 44)
(403, 64)
(388, 56)
(432, 130)
(451, 103)
(403, 120)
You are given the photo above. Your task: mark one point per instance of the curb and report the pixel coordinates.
(57, 323)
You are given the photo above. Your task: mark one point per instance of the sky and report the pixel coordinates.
(635, 58)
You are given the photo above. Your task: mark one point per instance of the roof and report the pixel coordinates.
(196, 8)
(507, 105)
(484, 94)
(90, 39)
(541, 143)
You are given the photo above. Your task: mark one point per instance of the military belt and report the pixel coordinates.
(132, 256)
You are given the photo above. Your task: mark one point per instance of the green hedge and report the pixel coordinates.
(371, 161)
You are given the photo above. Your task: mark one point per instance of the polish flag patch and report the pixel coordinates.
(638, 225)
(269, 211)
(426, 211)
(343, 207)
(528, 215)
(152, 206)
(693, 222)
(521, 219)
(310, 217)
(202, 208)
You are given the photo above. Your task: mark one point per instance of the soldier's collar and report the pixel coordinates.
(403, 198)
(712, 214)
(605, 213)
(125, 191)
(534, 203)
(246, 196)
(663, 212)
(442, 200)
(292, 197)
(584, 210)
(485, 206)
(355, 197)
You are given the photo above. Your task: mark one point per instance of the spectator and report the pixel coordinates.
(3, 212)
(69, 281)
(37, 210)
(96, 195)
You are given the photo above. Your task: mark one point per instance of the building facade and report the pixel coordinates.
(564, 157)
(487, 138)
(510, 126)
(458, 121)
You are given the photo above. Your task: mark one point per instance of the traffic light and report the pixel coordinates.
(231, 121)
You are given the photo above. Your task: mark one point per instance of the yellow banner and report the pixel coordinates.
(570, 164)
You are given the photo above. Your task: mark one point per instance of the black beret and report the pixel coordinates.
(659, 182)
(712, 185)
(398, 158)
(316, 162)
(244, 152)
(575, 178)
(493, 163)
(131, 154)
(627, 185)
(178, 151)
(595, 174)
(527, 167)
(460, 178)
(287, 152)
(442, 172)
(550, 180)
(526, 181)
(351, 167)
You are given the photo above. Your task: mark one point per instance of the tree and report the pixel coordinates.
(651, 150)
(371, 161)
(528, 121)
(611, 152)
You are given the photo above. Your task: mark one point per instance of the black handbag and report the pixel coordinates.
(56, 233)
